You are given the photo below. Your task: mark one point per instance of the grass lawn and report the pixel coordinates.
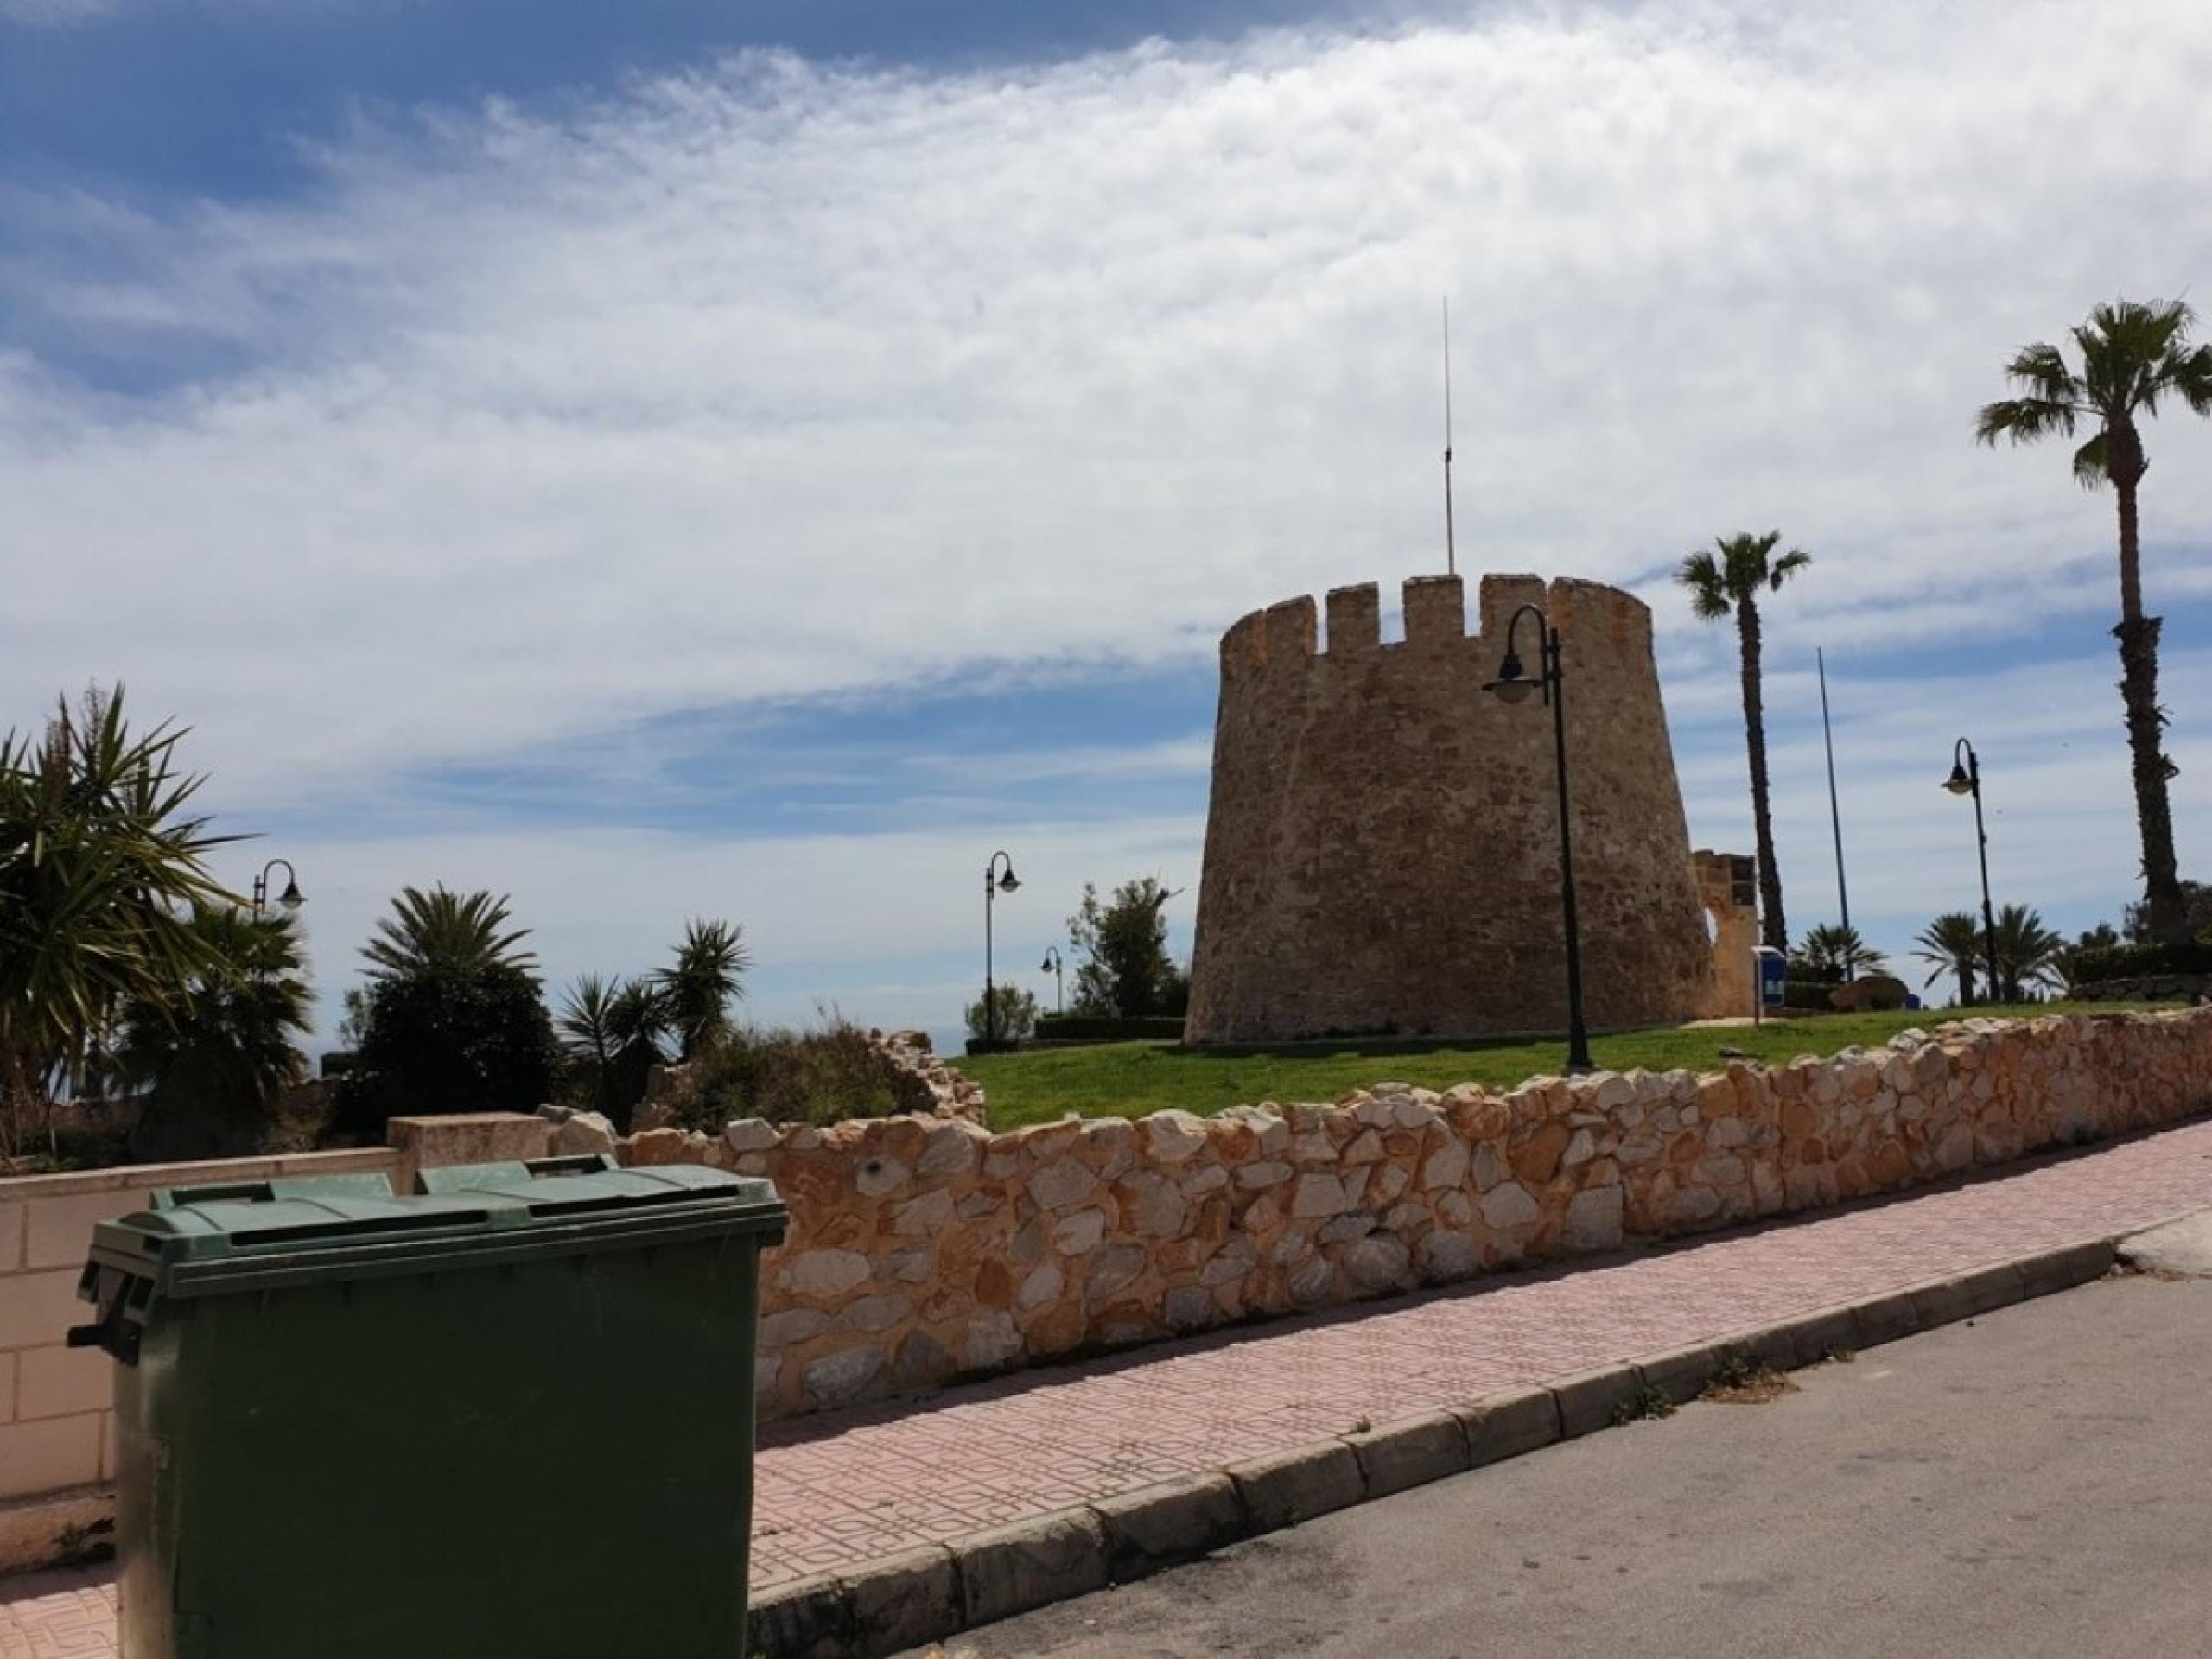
(1130, 1079)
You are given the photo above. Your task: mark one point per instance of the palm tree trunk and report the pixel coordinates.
(2164, 912)
(1964, 969)
(1773, 930)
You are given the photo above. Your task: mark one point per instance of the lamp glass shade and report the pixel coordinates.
(1959, 782)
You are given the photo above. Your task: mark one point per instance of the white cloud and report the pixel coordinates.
(776, 379)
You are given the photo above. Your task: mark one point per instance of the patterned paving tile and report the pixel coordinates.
(835, 1491)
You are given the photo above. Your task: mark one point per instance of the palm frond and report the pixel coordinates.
(1786, 567)
(2092, 463)
(2025, 420)
(1701, 575)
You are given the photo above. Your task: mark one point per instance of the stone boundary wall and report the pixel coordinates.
(922, 1250)
(57, 1422)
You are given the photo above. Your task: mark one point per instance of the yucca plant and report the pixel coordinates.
(611, 1034)
(2134, 356)
(102, 866)
(706, 976)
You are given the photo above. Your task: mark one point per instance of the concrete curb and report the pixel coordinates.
(924, 1595)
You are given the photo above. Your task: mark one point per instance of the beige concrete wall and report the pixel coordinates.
(56, 1430)
(1382, 842)
(57, 1447)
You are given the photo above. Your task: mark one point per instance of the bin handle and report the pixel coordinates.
(582, 1163)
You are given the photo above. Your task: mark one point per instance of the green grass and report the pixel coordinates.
(1130, 1079)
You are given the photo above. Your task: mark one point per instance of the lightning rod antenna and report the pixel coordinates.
(1451, 548)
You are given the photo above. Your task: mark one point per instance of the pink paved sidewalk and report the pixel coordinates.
(835, 1491)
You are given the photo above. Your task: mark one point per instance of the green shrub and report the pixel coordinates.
(819, 1076)
(1809, 994)
(443, 1041)
(2099, 963)
(1107, 1028)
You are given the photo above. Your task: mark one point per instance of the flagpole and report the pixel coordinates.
(1835, 811)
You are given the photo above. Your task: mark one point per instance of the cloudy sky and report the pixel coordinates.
(754, 459)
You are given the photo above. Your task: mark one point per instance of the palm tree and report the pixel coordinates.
(1832, 953)
(2029, 955)
(709, 975)
(611, 1033)
(439, 931)
(1728, 582)
(101, 867)
(213, 1062)
(2133, 356)
(1954, 944)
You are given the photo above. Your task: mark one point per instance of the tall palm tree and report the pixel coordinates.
(1954, 943)
(708, 975)
(2029, 955)
(439, 931)
(101, 866)
(1726, 582)
(1833, 952)
(213, 1062)
(2134, 356)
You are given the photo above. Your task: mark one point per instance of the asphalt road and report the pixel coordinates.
(2036, 1482)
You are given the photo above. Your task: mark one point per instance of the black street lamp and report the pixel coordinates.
(994, 885)
(1052, 965)
(290, 899)
(1966, 779)
(1514, 685)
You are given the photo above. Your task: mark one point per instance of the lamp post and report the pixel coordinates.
(994, 885)
(1052, 965)
(290, 899)
(1513, 685)
(1966, 779)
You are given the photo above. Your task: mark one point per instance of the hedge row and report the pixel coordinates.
(1107, 1028)
(2138, 962)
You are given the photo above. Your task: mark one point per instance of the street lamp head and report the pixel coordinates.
(291, 898)
(1006, 882)
(1959, 782)
(1512, 684)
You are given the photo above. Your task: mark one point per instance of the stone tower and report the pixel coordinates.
(1383, 842)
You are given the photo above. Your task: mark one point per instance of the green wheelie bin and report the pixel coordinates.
(508, 1418)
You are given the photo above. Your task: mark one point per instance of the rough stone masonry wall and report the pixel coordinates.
(1382, 840)
(922, 1250)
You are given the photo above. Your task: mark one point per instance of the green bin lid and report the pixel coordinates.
(255, 1236)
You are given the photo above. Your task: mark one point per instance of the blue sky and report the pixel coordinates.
(753, 461)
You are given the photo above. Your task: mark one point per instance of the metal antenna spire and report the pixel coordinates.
(1451, 548)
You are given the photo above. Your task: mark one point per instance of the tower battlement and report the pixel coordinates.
(1382, 844)
(1434, 609)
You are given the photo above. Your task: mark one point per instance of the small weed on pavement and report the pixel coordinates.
(1742, 1380)
(1645, 1403)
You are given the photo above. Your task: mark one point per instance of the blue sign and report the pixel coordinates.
(1774, 971)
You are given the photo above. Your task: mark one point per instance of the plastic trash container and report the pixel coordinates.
(511, 1417)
